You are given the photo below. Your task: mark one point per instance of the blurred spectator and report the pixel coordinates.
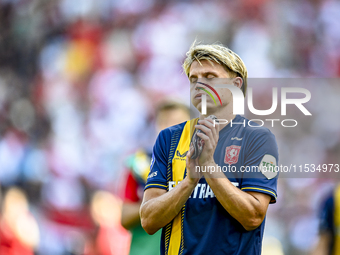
(111, 238)
(329, 237)
(19, 233)
(167, 114)
(80, 81)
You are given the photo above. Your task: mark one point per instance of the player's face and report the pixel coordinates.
(208, 72)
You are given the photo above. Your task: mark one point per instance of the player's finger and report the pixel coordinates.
(191, 150)
(206, 139)
(208, 128)
(215, 127)
(210, 123)
(205, 129)
(189, 162)
(188, 158)
(217, 130)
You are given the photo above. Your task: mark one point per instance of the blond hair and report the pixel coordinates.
(231, 62)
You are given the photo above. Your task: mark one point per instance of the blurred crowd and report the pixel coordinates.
(79, 84)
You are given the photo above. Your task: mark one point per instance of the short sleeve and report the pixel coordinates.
(159, 162)
(261, 158)
(326, 215)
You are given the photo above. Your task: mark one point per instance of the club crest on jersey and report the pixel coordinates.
(231, 154)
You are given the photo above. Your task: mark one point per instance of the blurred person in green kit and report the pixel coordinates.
(167, 114)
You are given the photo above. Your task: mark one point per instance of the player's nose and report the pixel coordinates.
(201, 83)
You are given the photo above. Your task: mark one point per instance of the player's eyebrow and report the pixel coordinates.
(211, 72)
(203, 74)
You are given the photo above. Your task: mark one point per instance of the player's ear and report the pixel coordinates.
(238, 82)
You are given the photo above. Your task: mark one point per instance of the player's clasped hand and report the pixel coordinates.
(191, 164)
(209, 135)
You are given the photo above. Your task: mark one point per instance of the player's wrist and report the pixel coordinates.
(192, 182)
(208, 168)
(209, 163)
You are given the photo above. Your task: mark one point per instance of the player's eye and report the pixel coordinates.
(193, 79)
(210, 76)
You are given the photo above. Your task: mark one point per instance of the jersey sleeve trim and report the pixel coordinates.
(262, 190)
(155, 185)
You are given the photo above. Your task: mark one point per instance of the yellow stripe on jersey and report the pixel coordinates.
(155, 184)
(178, 171)
(336, 249)
(271, 192)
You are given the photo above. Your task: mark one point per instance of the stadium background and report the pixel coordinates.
(79, 82)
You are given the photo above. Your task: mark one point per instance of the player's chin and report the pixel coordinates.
(196, 103)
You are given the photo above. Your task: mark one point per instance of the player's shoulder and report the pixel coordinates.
(254, 130)
(177, 128)
(165, 137)
(169, 131)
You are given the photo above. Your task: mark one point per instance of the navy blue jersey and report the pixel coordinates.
(327, 220)
(330, 220)
(205, 226)
(326, 216)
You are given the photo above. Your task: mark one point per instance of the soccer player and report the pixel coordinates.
(168, 114)
(217, 212)
(329, 239)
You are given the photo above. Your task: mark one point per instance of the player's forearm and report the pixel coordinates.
(130, 215)
(159, 211)
(242, 206)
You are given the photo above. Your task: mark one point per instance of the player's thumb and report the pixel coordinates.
(190, 152)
